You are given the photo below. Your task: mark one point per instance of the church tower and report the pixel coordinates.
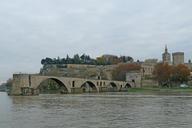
(166, 56)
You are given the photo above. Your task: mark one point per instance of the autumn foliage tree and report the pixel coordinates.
(119, 73)
(166, 74)
(180, 73)
(162, 73)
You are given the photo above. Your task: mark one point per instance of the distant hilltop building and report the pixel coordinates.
(148, 65)
(166, 56)
(113, 59)
(153, 61)
(189, 64)
(110, 58)
(178, 58)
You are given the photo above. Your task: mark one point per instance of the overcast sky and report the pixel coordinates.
(34, 29)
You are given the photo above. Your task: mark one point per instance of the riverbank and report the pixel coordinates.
(151, 90)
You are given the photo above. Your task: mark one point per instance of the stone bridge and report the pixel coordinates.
(28, 84)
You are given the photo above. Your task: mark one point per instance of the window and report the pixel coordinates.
(73, 84)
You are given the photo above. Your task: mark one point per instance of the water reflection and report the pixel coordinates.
(109, 110)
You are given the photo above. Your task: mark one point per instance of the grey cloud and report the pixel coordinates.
(33, 29)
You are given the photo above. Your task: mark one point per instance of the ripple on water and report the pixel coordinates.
(110, 110)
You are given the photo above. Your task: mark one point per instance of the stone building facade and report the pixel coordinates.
(110, 58)
(148, 66)
(134, 78)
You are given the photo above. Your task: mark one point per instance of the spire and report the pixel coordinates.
(166, 50)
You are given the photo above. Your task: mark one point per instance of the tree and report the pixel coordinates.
(76, 59)
(119, 73)
(101, 61)
(125, 59)
(83, 58)
(86, 59)
(46, 61)
(9, 83)
(43, 61)
(162, 73)
(181, 73)
(63, 61)
(68, 60)
(58, 61)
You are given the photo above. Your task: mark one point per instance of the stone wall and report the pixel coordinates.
(134, 78)
(79, 71)
(149, 83)
(19, 80)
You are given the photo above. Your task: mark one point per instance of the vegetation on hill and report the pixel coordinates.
(86, 59)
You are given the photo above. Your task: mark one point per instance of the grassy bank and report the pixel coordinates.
(151, 90)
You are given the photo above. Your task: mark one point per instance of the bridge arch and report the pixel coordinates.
(61, 86)
(127, 85)
(88, 87)
(112, 87)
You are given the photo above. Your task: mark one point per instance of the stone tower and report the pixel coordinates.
(166, 56)
(178, 58)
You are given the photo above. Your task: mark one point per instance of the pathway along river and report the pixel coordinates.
(96, 111)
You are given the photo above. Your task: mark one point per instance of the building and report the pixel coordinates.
(148, 67)
(111, 59)
(134, 78)
(189, 65)
(166, 56)
(178, 58)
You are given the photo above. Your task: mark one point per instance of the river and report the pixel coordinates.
(111, 110)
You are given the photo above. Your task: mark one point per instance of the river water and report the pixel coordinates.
(112, 110)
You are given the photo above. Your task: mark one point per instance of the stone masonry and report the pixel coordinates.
(32, 82)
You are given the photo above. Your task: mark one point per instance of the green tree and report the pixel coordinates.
(76, 59)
